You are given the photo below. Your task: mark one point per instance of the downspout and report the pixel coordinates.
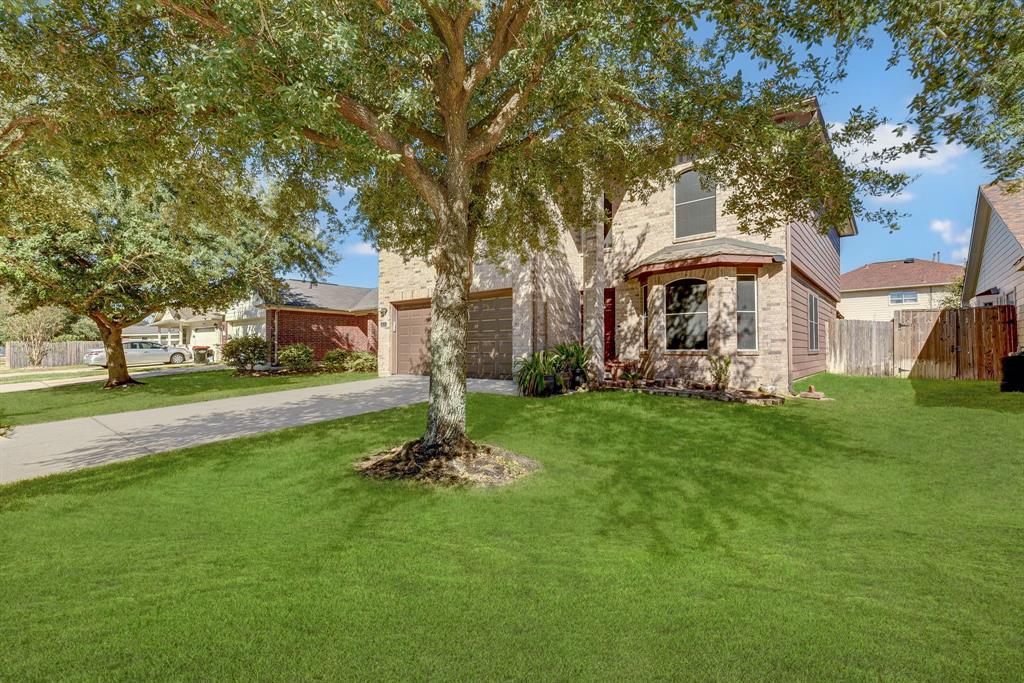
(789, 312)
(277, 324)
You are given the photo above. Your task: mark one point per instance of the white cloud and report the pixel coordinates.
(901, 198)
(360, 249)
(940, 161)
(959, 239)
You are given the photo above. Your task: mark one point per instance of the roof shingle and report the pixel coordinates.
(323, 295)
(1010, 208)
(901, 273)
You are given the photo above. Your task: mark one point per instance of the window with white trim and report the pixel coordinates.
(898, 298)
(813, 323)
(686, 315)
(695, 206)
(746, 312)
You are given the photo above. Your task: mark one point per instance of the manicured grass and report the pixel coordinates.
(81, 400)
(18, 376)
(877, 537)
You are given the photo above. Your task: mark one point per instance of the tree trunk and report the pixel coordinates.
(117, 366)
(449, 318)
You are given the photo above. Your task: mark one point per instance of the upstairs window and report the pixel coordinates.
(897, 298)
(695, 206)
(686, 315)
(746, 313)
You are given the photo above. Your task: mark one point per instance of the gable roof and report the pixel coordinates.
(327, 296)
(912, 272)
(1010, 208)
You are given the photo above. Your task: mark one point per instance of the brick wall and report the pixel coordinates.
(322, 331)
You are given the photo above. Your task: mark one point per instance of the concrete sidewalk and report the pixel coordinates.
(38, 450)
(50, 383)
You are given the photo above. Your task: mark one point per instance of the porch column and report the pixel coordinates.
(593, 288)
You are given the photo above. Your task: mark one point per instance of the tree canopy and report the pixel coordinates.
(467, 124)
(131, 249)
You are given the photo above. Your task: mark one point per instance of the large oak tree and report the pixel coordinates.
(481, 126)
(121, 250)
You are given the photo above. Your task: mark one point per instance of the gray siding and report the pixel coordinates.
(804, 361)
(817, 255)
(1002, 252)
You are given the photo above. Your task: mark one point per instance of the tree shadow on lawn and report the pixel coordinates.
(971, 394)
(676, 473)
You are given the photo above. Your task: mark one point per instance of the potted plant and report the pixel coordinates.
(572, 359)
(537, 375)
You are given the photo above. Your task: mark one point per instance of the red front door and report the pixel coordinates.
(609, 324)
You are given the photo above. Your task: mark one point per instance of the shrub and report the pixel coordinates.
(335, 359)
(361, 361)
(531, 374)
(245, 353)
(720, 371)
(574, 358)
(296, 357)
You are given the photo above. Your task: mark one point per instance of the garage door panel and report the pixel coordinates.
(488, 339)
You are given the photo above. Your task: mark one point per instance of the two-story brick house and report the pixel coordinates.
(671, 281)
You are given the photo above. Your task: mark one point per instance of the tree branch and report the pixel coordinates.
(507, 27)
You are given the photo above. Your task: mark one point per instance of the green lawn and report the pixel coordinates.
(81, 400)
(18, 376)
(877, 537)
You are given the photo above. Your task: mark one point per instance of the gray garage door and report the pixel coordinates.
(488, 343)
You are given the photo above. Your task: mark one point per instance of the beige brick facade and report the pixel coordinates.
(545, 295)
(547, 304)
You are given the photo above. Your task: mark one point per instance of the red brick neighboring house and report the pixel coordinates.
(323, 316)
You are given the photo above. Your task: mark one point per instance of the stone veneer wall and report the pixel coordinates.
(641, 229)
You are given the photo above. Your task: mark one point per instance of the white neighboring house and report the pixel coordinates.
(876, 290)
(194, 328)
(995, 264)
(143, 332)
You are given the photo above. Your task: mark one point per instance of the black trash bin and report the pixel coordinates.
(1013, 372)
(202, 354)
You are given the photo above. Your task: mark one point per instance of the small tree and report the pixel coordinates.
(953, 296)
(134, 248)
(33, 328)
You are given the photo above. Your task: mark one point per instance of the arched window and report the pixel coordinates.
(695, 206)
(686, 315)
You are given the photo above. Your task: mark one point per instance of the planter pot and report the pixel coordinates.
(550, 385)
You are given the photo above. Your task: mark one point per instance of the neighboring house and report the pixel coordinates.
(323, 316)
(995, 264)
(142, 332)
(668, 282)
(876, 290)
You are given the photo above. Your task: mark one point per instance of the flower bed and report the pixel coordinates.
(663, 387)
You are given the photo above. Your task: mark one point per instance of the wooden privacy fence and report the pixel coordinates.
(964, 343)
(861, 347)
(57, 353)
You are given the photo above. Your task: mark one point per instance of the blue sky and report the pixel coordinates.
(939, 202)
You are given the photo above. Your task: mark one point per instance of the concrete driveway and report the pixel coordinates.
(38, 450)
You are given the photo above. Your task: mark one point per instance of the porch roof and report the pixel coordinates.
(709, 252)
(187, 317)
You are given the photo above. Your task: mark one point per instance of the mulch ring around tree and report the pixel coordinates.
(469, 464)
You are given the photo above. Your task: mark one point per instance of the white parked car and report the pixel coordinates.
(141, 353)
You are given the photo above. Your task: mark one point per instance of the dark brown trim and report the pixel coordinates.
(725, 260)
(817, 283)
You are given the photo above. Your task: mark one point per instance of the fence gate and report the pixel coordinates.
(964, 343)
